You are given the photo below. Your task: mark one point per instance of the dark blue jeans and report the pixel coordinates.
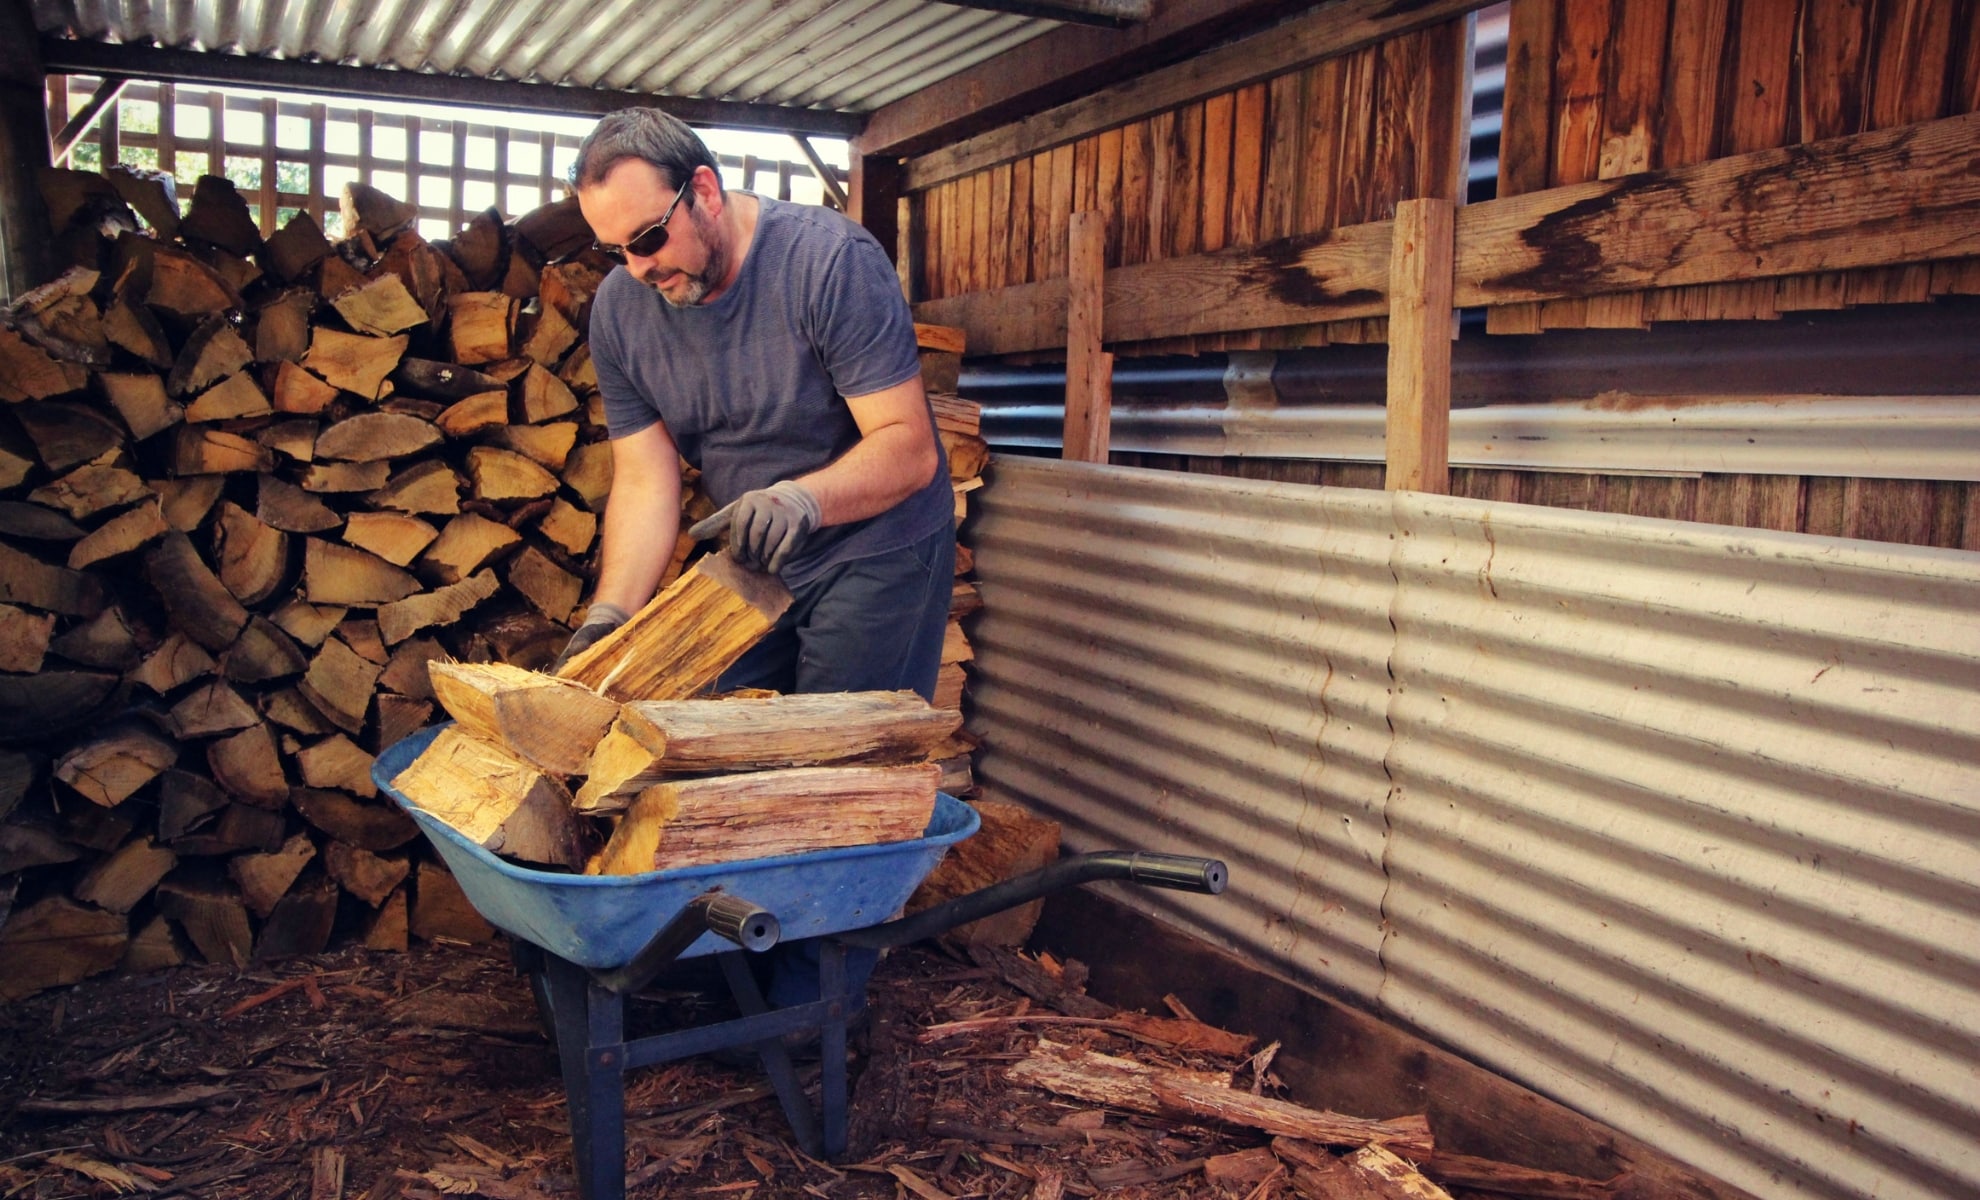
(873, 624)
(869, 625)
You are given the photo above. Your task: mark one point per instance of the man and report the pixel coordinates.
(769, 345)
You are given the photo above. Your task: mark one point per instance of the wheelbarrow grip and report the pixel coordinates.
(1180, 872)
(725, 915)
(742, 922)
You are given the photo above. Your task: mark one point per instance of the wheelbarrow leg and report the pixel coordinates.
(776, 1057)
(590, 1036)
(832, 1045)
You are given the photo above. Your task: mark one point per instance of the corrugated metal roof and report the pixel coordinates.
(841, 55)
(1675, 823)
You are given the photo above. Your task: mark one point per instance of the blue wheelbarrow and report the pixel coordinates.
(589, 941)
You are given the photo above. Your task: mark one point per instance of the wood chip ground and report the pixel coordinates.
(362, 1075)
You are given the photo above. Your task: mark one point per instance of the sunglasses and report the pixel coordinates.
(649, 240)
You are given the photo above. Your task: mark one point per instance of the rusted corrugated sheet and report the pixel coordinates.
(846, 55)
(1685, 821)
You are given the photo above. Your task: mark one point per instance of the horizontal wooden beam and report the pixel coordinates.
(1874, 199)
(377, 83)
(1324, 33)
(1054, 68)
(1111, 14)
(1902, 195)
(1294, 281)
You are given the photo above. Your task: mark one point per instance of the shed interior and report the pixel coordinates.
(1505, 478)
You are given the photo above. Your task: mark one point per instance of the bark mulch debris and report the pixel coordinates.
(361, 1075)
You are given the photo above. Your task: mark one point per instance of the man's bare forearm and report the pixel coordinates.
(882, 469)
(642, 521)
(894, 458)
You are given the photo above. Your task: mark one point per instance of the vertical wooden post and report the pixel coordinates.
(873, 199)
(271, 169)
(110, 133)
(457, 180)
(216, 133)
(546, 178)
(168, 116)
(319, 166)
(1420, 330)
(366, 163)
(503, 178)
(26, 242)
(1089, 369)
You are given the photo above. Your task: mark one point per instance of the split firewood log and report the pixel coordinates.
(684, 637)
(366, 209)
(252, 556)
(652, 739)
(370, 436)
(550, 723)
(380, 308)
(298, 391)
(494, 799)
(763, 814)
(115, 762)
(121, 881)
(55, 942)
(213, 916)
(265, 878)
(395, 537)
(141, 401)
(282, 505)
(294, 249)
(130, 530)
(430, 488)
(354, 362)
(442, 606)
(345, 575)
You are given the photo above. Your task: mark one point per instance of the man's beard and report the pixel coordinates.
(700, 283)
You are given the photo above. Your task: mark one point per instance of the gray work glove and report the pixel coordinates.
(765, 526)
(599, 620)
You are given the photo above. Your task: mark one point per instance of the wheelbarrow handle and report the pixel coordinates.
(726, 916)
(1180, 872)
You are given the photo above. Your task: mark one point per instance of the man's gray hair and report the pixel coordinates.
(646, 134)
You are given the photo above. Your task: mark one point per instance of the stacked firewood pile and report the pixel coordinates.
(249, 489)
(959, 423)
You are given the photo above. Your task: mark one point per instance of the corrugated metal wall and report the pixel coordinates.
(1675, 823)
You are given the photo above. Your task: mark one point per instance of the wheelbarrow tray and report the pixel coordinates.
(603, 921)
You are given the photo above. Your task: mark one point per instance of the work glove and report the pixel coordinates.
(599, 620)
(765, 526)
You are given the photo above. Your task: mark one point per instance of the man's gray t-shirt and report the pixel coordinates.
(750, 386)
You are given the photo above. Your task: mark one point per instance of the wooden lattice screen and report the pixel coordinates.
(290, 155)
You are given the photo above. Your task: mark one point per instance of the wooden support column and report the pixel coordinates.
(1421, 326)
(873, 199)
(25, 239)
(1089, 369)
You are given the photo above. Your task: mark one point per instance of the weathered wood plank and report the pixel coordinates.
(1324, 33)
(1901, 195)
